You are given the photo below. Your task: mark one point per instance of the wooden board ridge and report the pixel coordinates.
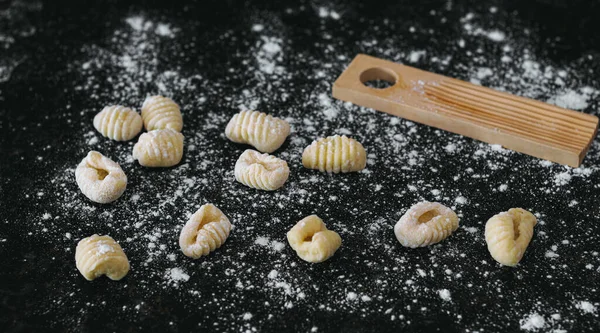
(517, 123)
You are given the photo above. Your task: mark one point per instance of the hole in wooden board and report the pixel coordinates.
(378, 78)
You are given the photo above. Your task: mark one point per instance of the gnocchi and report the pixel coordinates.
(100, 179)
(118, 123)
(265, 132)
(160, 112)
(335, 154)
(312, 241)
(205, 231)
(424, 224)
(261, 171)
(159, 148)
(508, 234)
(101, 255)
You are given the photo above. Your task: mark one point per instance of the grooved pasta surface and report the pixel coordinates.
(335, 154)
(159, 148)
(160, 112)
(99, 178)
(312, 241)
(261, 171)
(508, 234)
(206, 230)
(118, 123)
(101, 255)
(424, 224)
(263, 131)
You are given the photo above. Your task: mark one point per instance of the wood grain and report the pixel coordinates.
(521, 124)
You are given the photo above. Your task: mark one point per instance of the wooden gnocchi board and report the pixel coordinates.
(521, 124)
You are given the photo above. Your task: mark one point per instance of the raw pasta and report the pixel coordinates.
(161, 112)
(204, 232)
(159, 148)
(265, 132)
(117, 122)
(508, 234)
(100, 179)
(101, 255)
(425, 223)
(312, 241)
(335, 154)
(261, 171)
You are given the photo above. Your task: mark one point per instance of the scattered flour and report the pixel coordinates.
(533, 322)
(586, 307)
(445, 295)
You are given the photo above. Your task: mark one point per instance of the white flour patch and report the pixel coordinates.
(533, 322)
(586, 307)
(445, 295)
(571, 100)
(177, 275)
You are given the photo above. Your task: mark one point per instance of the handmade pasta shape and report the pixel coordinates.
(265, 132)
(261, 171)
(312, 241)
(159, 148)
(101, 255)
(205, 231)
(335, 154)
(160, 112)
(118, 123)
(100, 179)
(424, 224)
(508, 234)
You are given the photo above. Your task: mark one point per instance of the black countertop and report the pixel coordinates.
(61, 62)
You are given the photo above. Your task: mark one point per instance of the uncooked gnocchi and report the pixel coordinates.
(100, 179)
(261, 171)
(312, 241)
(160, 112)
(204, 232)
(159, 148)
(118, 123)
(265, 132)
(335, 154)
(424, 224)
(101, 255)
(508, 234)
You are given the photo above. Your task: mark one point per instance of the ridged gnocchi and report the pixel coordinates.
(100, 179)
(335, 154)
(261, 171)
(160, 112)
(312, 241)
(118, 123)
(205, 231)
(101, 255)
(508, 234)
(159, 148)
(424, 224)
(265, 132)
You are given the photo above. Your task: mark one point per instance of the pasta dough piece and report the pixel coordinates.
(508, 234)
(159, 148)
(312, 241)
(261, 171)
(161, 112)
(100, 179)
(204, 232)
(265, 132)
(335, 154)
(425, 223)
(117, 122)
(101, 255)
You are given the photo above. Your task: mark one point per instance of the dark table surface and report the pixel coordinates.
(61, 62)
